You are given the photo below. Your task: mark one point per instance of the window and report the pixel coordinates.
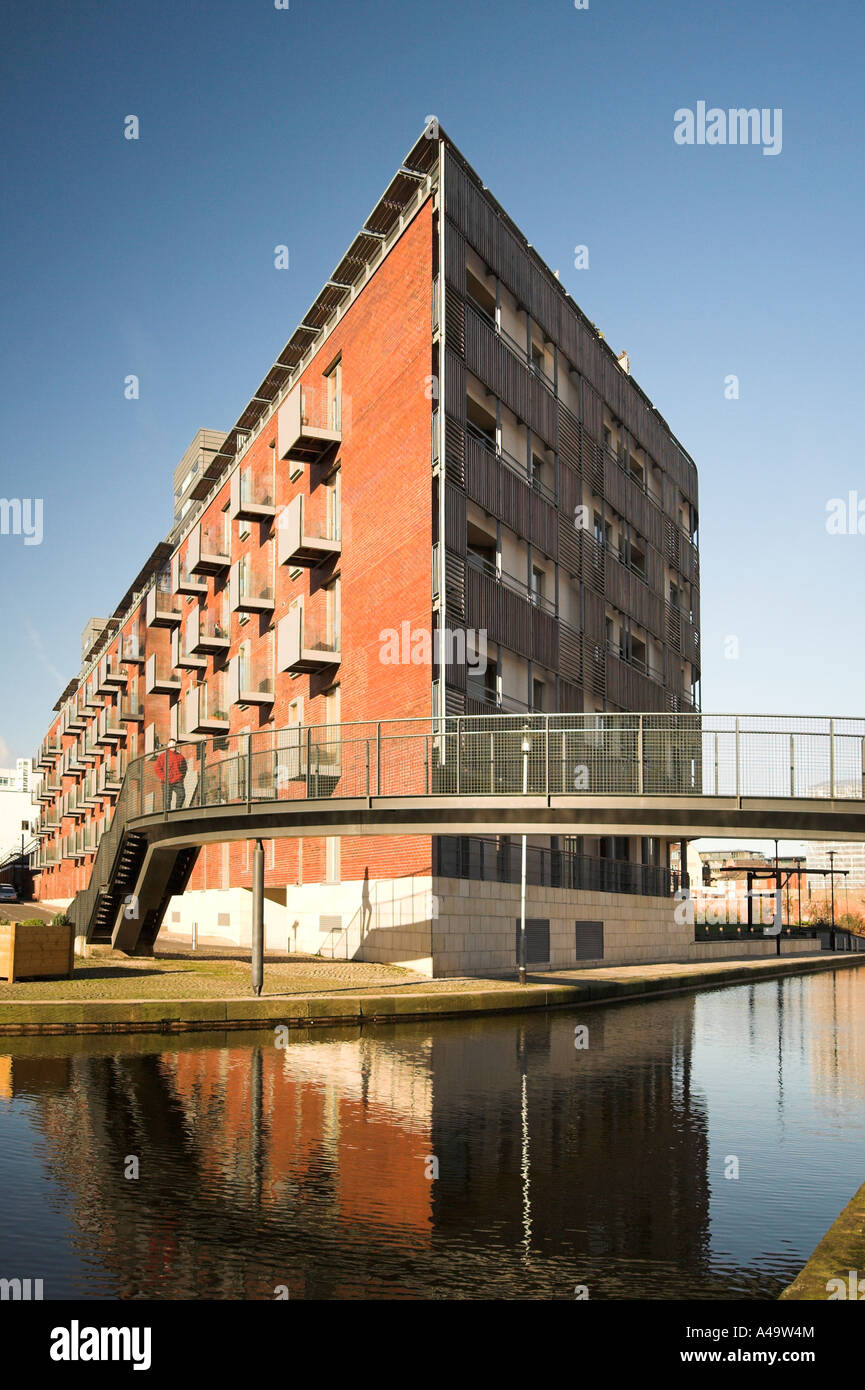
(333, 487)
(537, 696)
(481, 421)
(537, 471)
(480, 295)
(481, 547)
(334, 395)
(537, 355)
(332, 864)
(603, 530)
(332, 615)
(537, 586)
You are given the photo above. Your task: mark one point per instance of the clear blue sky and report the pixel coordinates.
(261, 127)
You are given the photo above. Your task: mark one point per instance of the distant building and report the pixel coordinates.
(19, 811)
(849, 857)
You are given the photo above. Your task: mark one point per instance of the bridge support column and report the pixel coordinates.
(684, 877)
(258, 918)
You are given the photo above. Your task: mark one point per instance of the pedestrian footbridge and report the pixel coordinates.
(675, 775)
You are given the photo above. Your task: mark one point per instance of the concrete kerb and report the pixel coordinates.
(840, 1254)
(179, 1015)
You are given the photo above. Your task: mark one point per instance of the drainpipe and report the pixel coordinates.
(442, 430)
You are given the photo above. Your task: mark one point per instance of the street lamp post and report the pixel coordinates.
(832, 854)
(522, 959)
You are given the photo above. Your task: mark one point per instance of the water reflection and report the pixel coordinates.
(309, 1166)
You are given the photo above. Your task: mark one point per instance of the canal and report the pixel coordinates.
(697, 1146)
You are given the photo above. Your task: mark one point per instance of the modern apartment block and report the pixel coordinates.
(445, 449)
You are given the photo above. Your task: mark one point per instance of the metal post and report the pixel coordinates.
(522, 960)
(308, 757)
(717, 786)
(378, 758)
(640, 756)
(832, 758)
(547, 755)
(258, 917)
(738, 781)
(778, 892)
(459, 757)
(792, 766)
(366, 747)
(248, 771)
(832, 854)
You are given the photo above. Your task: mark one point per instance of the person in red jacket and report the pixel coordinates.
(170, 769)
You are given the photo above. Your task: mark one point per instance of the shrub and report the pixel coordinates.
(60, 919)
(32, 922)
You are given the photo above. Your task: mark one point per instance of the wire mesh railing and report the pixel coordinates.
(609, 755)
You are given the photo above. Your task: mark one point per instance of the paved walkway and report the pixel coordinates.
(173, 993)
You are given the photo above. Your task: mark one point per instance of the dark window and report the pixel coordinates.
(589, 940)
(537, 941)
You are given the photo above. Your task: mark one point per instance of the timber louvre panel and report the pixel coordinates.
(455, 257)
(455, 322)
(455, 519)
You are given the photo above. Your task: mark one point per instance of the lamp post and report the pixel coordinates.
(522, 959)
(832, 854)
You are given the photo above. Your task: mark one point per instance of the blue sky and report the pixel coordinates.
(261, 127)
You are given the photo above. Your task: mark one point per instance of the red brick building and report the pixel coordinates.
(445, 444)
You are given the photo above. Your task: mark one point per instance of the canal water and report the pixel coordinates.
(695, 1146)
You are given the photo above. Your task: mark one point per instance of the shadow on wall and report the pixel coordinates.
(387, 924)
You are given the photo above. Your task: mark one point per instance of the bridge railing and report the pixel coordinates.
(506, 755)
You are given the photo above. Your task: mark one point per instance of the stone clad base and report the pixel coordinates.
(444, 927)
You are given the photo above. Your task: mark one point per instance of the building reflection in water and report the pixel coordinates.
(309, 1166)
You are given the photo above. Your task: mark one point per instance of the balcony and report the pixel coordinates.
(206, 710)
(181, 656)
(90, 743)
(301, 541)
(204, 634)
(109, 727)
(110, 777)
(75, 761)
(90, 700)
(132, 649)
(251, 497)
(249, 587)
(207, 551)
(159, 605)
(304, 431)
(250, 679)
(89, 791)
(183, 581)
(110, 675)
(159, 675)
(49, 750)
(132, 709)
(301, 646)
(74, 720)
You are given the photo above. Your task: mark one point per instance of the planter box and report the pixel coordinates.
(35, 952)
